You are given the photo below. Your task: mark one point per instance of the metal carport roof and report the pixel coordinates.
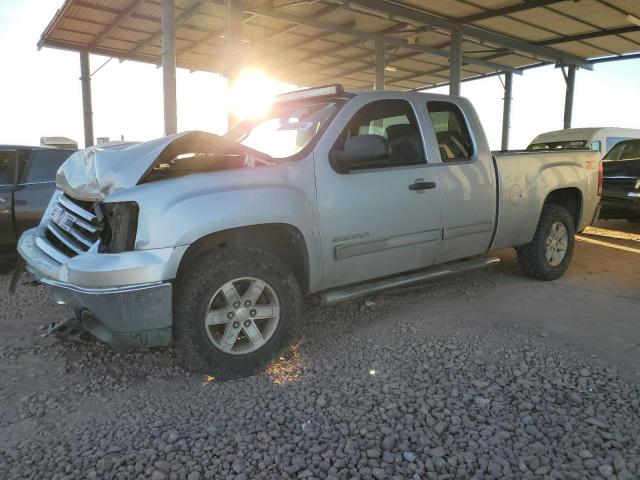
(325, 41)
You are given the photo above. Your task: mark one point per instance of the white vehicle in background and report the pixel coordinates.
(598, 139)
(58, 142)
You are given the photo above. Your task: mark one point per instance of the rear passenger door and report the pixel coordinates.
(467, 181)
(36, 185)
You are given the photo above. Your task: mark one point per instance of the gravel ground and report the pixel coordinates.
(434, 381)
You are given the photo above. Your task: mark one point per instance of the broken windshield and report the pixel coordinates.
(286, 130)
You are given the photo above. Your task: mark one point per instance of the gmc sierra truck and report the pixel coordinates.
(210, 242)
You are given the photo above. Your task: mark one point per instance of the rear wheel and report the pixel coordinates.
(548, 255)
(233, 311)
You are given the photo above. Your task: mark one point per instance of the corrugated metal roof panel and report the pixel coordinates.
(525, 32)
(273, 43)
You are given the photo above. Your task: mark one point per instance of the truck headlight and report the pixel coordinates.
(120, 227)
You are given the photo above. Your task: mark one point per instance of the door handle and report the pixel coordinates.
(4, 199)
(420, 185)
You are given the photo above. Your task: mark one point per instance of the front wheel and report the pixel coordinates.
(548, 255)
(233, 311)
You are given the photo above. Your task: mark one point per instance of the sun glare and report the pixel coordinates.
(252, 94)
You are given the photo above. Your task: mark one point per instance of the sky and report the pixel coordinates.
(40, 92)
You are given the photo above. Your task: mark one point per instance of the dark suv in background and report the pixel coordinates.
(27, 181)
(621, 185)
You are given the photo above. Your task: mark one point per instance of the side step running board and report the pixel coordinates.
(451, 268)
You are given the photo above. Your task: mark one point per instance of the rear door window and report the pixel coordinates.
(44, 165)
(452, 132)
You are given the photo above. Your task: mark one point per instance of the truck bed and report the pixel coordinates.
(525, 179)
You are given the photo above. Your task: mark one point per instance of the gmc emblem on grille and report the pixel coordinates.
(62, 218)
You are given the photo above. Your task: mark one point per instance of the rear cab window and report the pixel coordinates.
(452, 133)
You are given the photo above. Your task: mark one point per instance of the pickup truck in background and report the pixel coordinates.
(211, 242)
(27, 182)
(600, 139)
(621, 184)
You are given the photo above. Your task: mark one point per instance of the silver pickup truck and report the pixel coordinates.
(211, 242)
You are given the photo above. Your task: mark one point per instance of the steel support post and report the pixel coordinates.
(455, 63)
(506, 110)
(169, 67)
(568, 99)
(85, 79)
(380, 64)
(232, 48)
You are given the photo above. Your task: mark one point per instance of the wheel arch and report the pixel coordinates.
(569, 198)
(283, 240)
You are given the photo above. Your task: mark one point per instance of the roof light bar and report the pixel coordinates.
(315, 92)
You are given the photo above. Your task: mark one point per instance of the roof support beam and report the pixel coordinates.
(232, 50)
(87, 111)
(498, 12)
(267, 12)
(418, 16)
(506, 110)
(183, 18)
(380, 64)
(455, 64)
(169, 67)
(209, 37)
(570, 78)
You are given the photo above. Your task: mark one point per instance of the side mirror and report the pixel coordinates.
(359, 151)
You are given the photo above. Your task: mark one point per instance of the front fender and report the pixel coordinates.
(180, 211)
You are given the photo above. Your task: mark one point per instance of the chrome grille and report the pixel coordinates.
(72, 228)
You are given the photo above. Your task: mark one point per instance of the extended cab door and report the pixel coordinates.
(467, 178)
(383, 216)
(8, 177)
(36, 185)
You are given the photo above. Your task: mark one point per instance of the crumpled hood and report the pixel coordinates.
(95, 172)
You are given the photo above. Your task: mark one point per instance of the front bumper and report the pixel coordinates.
(122, 299)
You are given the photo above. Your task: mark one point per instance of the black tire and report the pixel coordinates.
(532, 257)
(195, 287)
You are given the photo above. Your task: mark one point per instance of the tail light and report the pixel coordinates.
(600, 178)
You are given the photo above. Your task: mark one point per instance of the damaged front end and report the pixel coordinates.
(84, 251)
(95, 173)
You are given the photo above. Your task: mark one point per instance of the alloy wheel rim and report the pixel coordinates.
(556, 244)
(242, 315)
